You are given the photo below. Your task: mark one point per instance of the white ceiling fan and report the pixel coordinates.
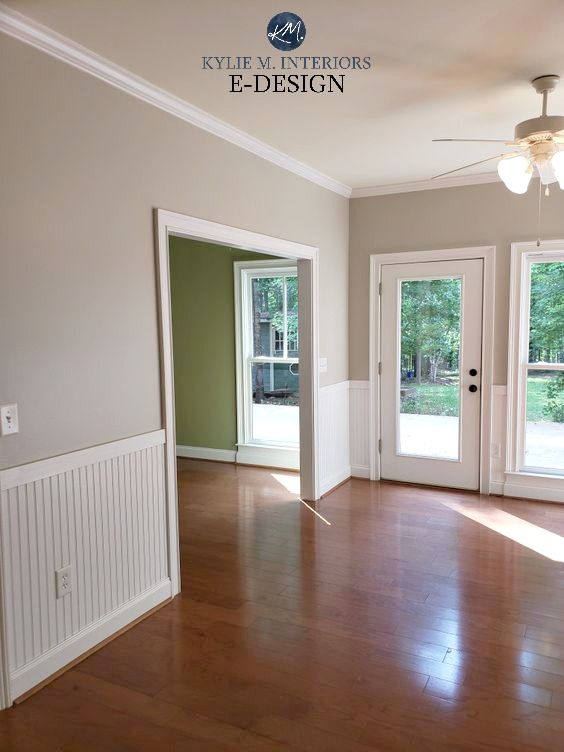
(538, 147)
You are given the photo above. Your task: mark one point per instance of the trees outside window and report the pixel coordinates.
(430, 346)
(544, 387)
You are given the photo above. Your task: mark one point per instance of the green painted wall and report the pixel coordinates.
(203, 328)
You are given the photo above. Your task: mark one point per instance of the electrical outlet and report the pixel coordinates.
(496, 451)
(63, 581)
(8, 420)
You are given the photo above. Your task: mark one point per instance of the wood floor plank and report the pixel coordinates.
(404, 626)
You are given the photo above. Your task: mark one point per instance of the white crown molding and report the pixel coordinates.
(425, 185)
(29, 31)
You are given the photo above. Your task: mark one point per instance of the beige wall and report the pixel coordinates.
(83, 165)
(447, 218)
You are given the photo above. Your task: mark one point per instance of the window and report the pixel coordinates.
(537, 421)
(268, 356)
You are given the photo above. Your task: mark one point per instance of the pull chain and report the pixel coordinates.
(539, 214)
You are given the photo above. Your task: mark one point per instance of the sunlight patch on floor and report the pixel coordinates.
(311, 509)
(550, 545)
(290, 481)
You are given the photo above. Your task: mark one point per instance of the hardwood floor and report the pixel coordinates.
(404, 624)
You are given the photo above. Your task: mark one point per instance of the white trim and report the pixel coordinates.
(268, 456)
(62, 48)
(537, 487)
(496, 487)
(487, 253)
(172, 223)
(374, 331)
(205, 453)
(520, 482)
(457, 181)
(34, 471)
(337, 386)
(360, 471)
(58, 657)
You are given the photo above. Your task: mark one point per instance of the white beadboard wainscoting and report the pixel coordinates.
(103, 512)
(334, 451)
(359, 429)
(498, 447)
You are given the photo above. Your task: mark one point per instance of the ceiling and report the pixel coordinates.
(440, 68)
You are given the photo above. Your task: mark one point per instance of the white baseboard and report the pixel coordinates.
(49, 663)
(281, 457)
(496, 487)
(360, 471)
(206, 453)
(537, 493)
(328, 484)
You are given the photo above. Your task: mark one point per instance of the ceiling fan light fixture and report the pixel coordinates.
(546, 172)
(557, 164)
(516, 173)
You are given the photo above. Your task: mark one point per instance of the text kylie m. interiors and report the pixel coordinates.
(260, 83)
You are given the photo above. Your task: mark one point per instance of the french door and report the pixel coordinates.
(430, 365)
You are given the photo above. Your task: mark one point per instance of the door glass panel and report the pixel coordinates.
(275, 408)
(429, 368)
(544, 431)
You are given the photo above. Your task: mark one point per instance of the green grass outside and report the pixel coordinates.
(442, 399)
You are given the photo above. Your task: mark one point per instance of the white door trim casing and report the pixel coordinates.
(487, 253)
(169, 223)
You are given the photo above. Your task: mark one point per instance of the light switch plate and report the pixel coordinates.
(322, 365)
(9, 420)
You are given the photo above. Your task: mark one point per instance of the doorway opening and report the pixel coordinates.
(285, 333)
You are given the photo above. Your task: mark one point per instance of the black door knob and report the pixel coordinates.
(473, 372)
(473, 388)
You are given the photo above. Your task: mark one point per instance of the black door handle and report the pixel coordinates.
(472, 388)
(473, 372)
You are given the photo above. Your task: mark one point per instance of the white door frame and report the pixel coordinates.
(169, 223)
(487, 254)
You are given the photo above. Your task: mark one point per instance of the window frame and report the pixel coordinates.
(244, 273)
(524, 255)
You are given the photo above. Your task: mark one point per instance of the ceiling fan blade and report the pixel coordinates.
(478, 141)
(472, 164)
